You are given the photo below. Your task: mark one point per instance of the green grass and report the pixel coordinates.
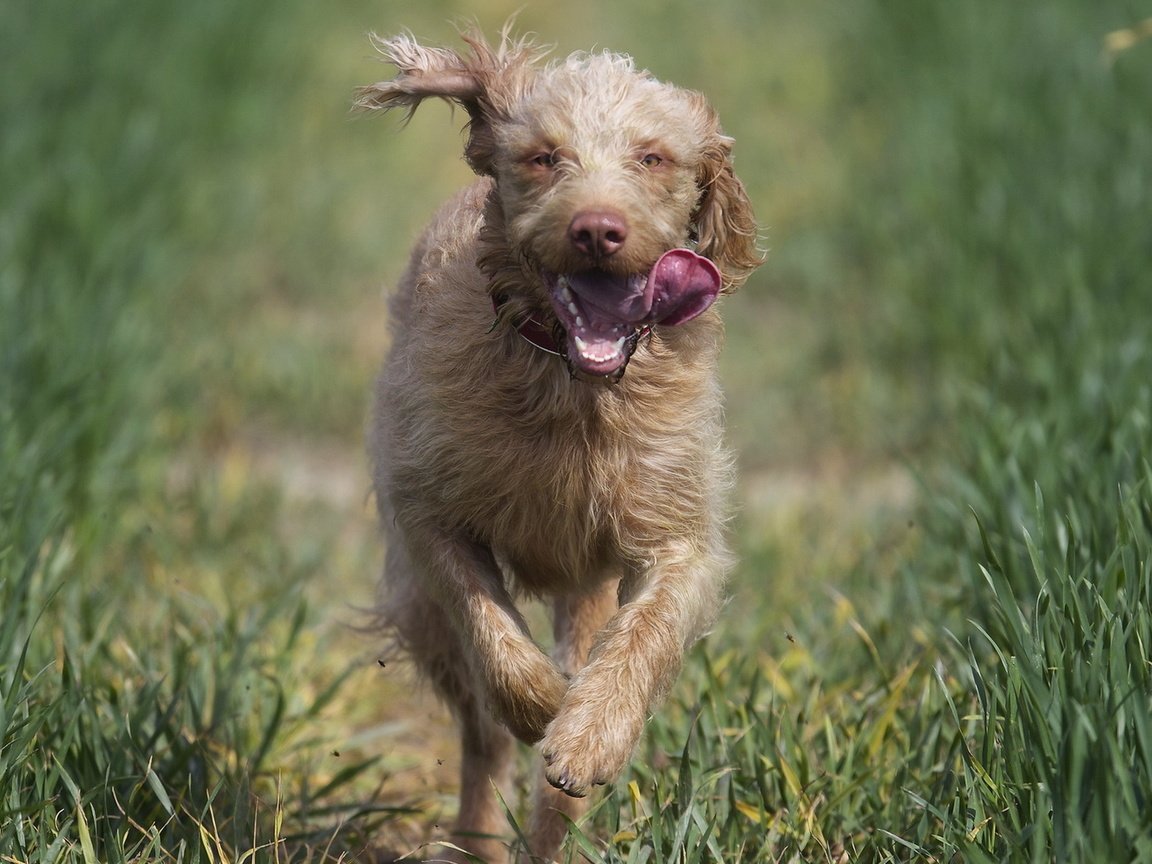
(940, 647)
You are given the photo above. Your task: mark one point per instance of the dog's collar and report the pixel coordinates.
(535, 332)
(531, 329)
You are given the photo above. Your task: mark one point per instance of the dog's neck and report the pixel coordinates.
(530, 328)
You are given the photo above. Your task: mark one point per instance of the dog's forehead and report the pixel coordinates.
(600, 100)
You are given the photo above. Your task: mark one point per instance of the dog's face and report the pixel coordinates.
(598, 171)
(593, 137)
(605, 178)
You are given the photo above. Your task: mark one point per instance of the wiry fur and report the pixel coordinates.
(498, 472)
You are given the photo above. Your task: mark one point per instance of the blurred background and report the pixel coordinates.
(196, 241)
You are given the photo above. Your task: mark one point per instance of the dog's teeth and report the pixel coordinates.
(572, 307)
(600, 356)
(579, 321)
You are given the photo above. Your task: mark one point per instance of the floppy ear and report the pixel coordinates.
(483, 81)
(725, 224)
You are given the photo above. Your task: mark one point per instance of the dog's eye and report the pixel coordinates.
(543, 160)
(652, 161)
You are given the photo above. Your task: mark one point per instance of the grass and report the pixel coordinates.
(940, 646)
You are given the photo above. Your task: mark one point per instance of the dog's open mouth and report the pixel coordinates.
(602, 312)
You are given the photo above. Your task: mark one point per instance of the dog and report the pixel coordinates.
(548, 422)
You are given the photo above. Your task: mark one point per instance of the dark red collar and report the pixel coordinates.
(533, 330)
(536, 332)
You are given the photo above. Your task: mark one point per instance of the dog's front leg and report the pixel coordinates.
(523, 685)
(633, 663)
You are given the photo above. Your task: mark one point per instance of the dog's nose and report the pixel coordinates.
(598, 233)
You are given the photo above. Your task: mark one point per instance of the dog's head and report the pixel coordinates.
(616, 192)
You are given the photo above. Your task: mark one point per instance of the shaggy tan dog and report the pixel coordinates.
(549, 422)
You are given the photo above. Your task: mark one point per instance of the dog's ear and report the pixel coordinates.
(483, 80)
(725, 224)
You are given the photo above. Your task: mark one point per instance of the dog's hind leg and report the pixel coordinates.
(577, 620)
(425, 632)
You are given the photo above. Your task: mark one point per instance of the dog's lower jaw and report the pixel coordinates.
(612, 378)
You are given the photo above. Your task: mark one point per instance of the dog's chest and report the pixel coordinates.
(567, 484)
(562, 507)
(561, 498)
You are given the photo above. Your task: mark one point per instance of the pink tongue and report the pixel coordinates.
(601, 311)
(679, 287)
(683, 285)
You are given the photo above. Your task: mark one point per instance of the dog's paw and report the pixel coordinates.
(587, 745)
(526, 706)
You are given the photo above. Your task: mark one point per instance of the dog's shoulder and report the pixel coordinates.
(454, 227)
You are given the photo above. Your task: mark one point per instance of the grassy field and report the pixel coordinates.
(940, 390)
